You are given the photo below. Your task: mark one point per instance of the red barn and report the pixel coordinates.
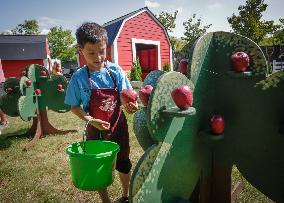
(138, 34)
(19, 51)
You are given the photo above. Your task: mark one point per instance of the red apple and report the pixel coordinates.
(240, 61)
(217, 124)
(38, 91)
(182, 97)
(43, 73)
(144, 94)
(127, 96)
(28, 83)
(9, 90)
(183, 66)
(59, 87)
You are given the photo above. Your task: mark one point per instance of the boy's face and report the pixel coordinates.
(95, 54)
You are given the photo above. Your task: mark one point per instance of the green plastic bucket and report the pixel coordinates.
(92, 163)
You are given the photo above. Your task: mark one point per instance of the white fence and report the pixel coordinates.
(277, 66)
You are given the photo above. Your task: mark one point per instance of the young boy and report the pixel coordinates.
(97, 86)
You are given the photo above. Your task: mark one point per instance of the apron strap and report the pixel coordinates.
(89, 77)
(113, 80)
(110, 74)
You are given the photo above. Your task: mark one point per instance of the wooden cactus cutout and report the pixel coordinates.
(187, 162)
(10, 99)
(140, 118)
(32, 95)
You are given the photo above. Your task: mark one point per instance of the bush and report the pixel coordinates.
(136, 71)
(166, 67)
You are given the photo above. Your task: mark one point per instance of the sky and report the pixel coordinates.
(71, 13)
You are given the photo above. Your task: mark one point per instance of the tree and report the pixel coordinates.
(136, 71)
(177, 43)
(267, 41)
(29, 27)
(61, 44)
(194, 29)
(249, 22)
(166, 67)
(168, 20)
(279, 34)
(30, 96)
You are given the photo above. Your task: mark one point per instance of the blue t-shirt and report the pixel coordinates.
(78, 91)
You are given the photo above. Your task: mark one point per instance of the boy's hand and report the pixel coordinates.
(99, 124)
(131, 107)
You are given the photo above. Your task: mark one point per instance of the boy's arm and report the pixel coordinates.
(78, 111)
(99, 124)
(73, 99)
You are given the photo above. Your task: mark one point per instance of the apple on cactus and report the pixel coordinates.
(38, 92)
(128, 95)
(240, 61)
(43, 73)
(183, 97)
(59, 87)
(28, 83)
(144, 94)
(217, 124)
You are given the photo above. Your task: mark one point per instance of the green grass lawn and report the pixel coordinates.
(42, 174)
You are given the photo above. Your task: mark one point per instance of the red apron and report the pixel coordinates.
(105, 105)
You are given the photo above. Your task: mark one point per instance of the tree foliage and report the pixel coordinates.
(279, 34)
(177, 43)
(29, 27)
(249, 21)
(168, 20)
(194, 29)
(61, 44)
(166, 67)
(136, 71)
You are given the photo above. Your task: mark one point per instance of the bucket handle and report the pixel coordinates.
(85, 134)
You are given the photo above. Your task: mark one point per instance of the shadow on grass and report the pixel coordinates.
(7, 138)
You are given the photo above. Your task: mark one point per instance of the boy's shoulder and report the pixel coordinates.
(116, 69)
(113, 66)
(79, 72)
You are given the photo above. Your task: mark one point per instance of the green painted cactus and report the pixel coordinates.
(141, 129)
(32, 95)
(9, 101)
(140, 118)
(150, 181)
(50, 91)
(185, 148)
(25, 98)
(28, 101)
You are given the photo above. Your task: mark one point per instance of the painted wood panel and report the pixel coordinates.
(13, 68)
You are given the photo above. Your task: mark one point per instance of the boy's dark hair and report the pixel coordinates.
(90, 32)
